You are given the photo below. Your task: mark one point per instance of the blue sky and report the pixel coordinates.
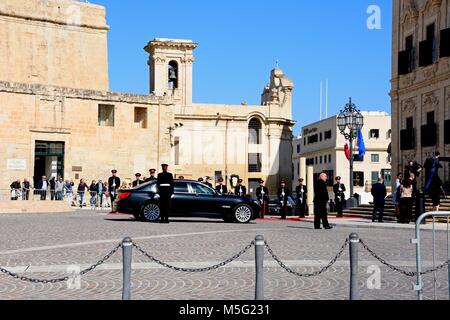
(240, 41)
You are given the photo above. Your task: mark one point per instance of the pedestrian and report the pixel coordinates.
(262, 194)
(321, 199)
(26, 186)
(240, 190)
(200, 180)
(339, 196)
(113, 186)
(283, 198)
(207, 179)
(379, 194)
(165, 187)
(406, 201)
(42, 187)
(59, 189)
(302, 196)
(68, 186)
(106, 195)
(100, 188)
(138, 180)
(181, 178)
(221, 188)
(123, 186)
(433, 183)
(15, 189)
(152, 176)
(395, 194)
(52, 188)
(93, 193)
(82, 187)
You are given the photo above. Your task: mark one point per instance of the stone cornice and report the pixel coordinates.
(37, 89)
(244, 118)
(57, 22)
(417, 86)
(152, 45)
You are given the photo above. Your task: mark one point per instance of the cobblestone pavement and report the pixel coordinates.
(44, 245)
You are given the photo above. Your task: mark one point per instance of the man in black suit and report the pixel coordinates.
(165, 186)
(152, 175)
(138, 180)
(207, 181)
(113, 186)
(302, 195)
(320, 202)
(379, 194)
(240, 190)
(283, 194)
(26, 189)
(262, 194)
(339, 196)
(221, 188)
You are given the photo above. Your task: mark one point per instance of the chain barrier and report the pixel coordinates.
(66, 278)
(394, 268)
(306, 275)
(214, 267)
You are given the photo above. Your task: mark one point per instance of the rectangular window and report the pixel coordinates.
(298, 168)
(407, 139)
(387, 176)
(298, 148)
(431, 38)
(140, 117)
(321, 136)
(317, 162)
(445, 42)
(375, 176)
(447, 132)
(106, 115)
(409, 123)
(329, 158)
(325, 158)
(254, 162)
(328, 135)
(430, 117)
(304, 141)
(374, 133)
(177, 150)
(375, 158)
(320, 159)
(410, 52)
(428, 135)
(358, 179)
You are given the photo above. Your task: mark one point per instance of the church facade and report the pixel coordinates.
(59, 118)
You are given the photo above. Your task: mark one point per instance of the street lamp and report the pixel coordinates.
(352, 119)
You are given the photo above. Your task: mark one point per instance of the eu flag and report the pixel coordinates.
(361, 145)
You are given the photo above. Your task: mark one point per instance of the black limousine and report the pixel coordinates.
(191, 199)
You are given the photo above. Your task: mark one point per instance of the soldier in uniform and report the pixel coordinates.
(240, 189)
(339, 195)
(283, 194)
(221, 188)
(152, 175)
(165, 186)
(138, 180)
(113, 186)
(302, 195)
(262, 193)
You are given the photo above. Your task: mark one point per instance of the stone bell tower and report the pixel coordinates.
(170, 64)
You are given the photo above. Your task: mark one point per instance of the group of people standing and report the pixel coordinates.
(407, 192)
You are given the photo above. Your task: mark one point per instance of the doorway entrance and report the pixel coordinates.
(48, 160)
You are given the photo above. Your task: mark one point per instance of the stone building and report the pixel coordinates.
(323, 148)
(58, 116)
(420, 92)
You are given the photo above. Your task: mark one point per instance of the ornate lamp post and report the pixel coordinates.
(352, 119)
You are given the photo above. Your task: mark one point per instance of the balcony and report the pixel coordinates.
(407, 139)
(428, 135)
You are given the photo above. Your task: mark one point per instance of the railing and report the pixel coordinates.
(417, 241)
(84, 199)
(260, 244)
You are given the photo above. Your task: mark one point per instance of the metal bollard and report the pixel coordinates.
(127, 252)
(259, 260)
(354, 287)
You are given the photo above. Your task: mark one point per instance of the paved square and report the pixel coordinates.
(44, 246)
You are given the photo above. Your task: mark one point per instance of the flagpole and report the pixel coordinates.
(321, 99)
(326, 99)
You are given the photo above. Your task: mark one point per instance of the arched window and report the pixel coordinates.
(254, 131)
(173, 74)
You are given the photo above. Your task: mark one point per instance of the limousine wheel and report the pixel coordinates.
(243, 213)
(151, 212)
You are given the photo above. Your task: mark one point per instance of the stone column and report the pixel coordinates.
(310, 187)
